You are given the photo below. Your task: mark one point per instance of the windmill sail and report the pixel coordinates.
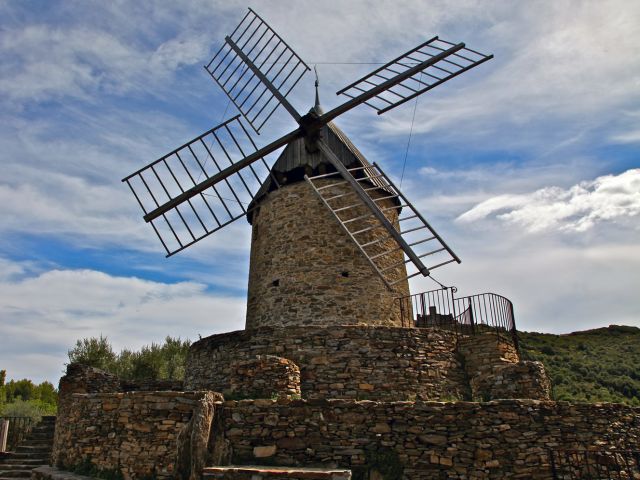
(413, 73)
(177, 194)
(257, 70)
(380, 232)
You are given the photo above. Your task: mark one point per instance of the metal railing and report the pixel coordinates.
(19, 428)
(485, 312)
(598, 464)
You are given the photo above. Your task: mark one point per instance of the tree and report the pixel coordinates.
(94, 352)
(158, 361)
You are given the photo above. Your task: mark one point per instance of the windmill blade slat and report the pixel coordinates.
(199, 188)
(428, 65)
(417, 239)
(255, 48)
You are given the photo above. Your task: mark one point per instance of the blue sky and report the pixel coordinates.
(528, 165)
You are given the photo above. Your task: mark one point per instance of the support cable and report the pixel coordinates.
(413, 119)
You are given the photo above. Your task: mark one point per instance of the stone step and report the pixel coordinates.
(18, 466)
(30, 459)
(33, 449)
(21, 461)
(16, 473)
(31, 454)
(238, 472)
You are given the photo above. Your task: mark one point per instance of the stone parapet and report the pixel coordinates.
(483, 351)
(512, 380)
(264, 376)
(495, 371)
(358, 362)
(424, 440)
(138, 433)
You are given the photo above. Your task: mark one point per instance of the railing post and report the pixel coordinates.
(514, 330)
(4, 434)
(472, 321)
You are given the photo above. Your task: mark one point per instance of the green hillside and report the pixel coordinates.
(600, 365)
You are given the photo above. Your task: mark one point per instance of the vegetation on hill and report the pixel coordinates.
(600, 365)
(164, 361)
(23, 398)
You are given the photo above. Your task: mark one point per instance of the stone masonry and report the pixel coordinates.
(264, 376)
(494, 369)
(305, 270)
(424, 440)
(359, 362)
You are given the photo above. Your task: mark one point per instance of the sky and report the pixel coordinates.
(528, 165)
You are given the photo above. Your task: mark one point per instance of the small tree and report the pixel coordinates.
(94, 352)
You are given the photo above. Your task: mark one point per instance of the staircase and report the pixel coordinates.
(34, 451)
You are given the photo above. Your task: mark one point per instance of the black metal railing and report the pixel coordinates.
(19, 428)
(470, 315)
(594, 464)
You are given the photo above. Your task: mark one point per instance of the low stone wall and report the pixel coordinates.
(512, 380)
(483, 351)
(358, 362)
(423, 440)
(137, 433)
(495, 371)
(264, 376)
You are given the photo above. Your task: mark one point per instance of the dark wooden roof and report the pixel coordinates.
(295, 162)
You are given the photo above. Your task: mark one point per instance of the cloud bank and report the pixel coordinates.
(577, 209)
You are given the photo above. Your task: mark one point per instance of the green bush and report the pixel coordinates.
(600, 365)
(164, 361)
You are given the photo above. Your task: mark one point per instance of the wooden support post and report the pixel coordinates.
(4, 434)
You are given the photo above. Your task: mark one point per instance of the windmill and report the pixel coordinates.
(222, 175)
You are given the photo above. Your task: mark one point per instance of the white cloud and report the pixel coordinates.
(44, 62)
(555, 287)
(48, 312)
(579, 208)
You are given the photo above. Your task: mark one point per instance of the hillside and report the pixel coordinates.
(600, 365)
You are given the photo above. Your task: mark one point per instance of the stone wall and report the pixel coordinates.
(264, 376)
(305, 270)
(513, 380)
(137, 433)
(495, 371)
(462, 440)
(359, 362)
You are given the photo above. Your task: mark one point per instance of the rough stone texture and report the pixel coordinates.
(194, 452)
(486, 350)
(136, 432)
(79, 379)
(274, 473)
(461, 440)
(264, 376)
(151, 385)
(305, 269)
(513, 380)
(495, 371)
(357, 362)
(84, 379)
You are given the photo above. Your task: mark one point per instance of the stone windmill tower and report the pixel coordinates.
(304, 267)
(334, 241)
